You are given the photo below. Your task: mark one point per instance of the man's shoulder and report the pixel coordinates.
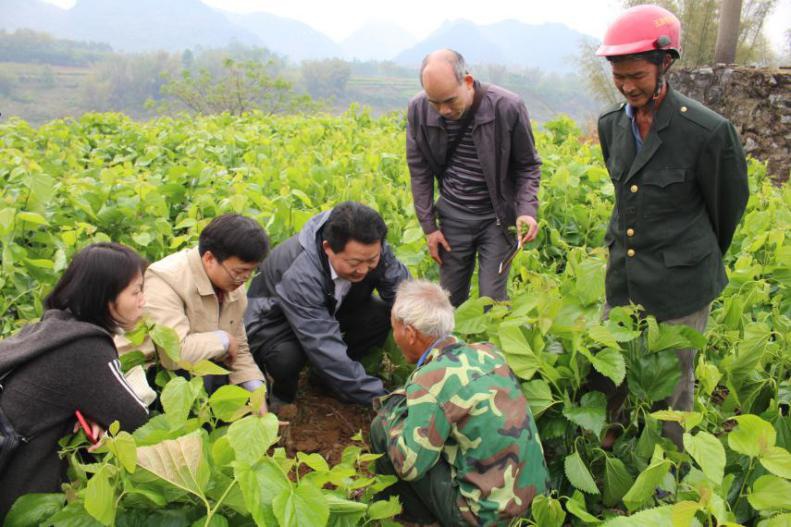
(697, 113)
(463, 370)
(304, 277)
(611, 111)
(461, 357)
(503, 93)
(172, 266)
(418, 99)
(503, 99)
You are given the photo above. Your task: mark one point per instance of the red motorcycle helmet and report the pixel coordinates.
(642, 28)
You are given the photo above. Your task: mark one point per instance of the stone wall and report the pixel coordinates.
(757, 101)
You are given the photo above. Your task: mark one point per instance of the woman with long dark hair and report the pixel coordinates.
(68, 362)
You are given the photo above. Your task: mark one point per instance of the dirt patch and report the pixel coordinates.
(323, 424)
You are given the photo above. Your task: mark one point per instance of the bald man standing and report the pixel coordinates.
(476, 140)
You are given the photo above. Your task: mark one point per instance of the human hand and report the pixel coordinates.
(233, 350)
(526, 229)
(434, 240)
(95, 433)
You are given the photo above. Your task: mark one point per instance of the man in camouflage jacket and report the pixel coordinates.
(460, 435)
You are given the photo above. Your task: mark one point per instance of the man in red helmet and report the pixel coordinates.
(681, 188)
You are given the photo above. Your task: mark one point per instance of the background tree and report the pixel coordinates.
(241, 87)
(326, 79)
(699, 27)
(753, 46)
(596, 73)
(728, 31)
(126, 82)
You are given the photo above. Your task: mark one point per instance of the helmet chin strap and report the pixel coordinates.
(661, 71)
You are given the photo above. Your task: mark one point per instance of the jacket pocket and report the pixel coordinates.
(665, 177)
(686, 256)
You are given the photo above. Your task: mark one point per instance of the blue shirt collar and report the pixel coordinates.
(630, 113)
(428, 350)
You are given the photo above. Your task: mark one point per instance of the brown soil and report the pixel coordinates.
(322, 423)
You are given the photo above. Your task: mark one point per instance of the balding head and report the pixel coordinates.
(447, 83)
(441, 59)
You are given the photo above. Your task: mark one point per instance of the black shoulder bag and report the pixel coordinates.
(10, 439)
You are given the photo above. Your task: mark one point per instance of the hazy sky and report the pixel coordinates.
(339, 18)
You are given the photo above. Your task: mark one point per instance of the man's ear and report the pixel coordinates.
(208, 257)
(468, 80)
(327, 249)
(411, 334)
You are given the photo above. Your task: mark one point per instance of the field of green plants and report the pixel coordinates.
(207, 461)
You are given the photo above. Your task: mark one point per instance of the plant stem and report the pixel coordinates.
(746, 478)
(218, 504)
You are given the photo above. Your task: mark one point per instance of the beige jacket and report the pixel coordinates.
(180, 295)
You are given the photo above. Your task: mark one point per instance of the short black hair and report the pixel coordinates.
(654, 56)
(353, 221)
(234, 235)
(94, 278)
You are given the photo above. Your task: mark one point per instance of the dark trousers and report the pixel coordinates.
(432, 498)
(364, 325)
(467, 238)
(683, 396)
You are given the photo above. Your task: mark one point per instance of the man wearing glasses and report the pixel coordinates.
(314, 302)
(198, 292)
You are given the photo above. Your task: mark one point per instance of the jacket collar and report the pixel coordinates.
(202, 282)
(653, 141)
(437, 348)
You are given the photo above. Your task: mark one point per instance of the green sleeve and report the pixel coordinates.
(417, 436)
(722, 179)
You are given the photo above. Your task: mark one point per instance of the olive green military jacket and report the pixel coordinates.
(677, 204)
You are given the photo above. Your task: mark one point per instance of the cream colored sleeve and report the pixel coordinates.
(164, 306)
(244, 367)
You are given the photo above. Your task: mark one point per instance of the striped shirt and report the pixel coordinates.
(463, 185)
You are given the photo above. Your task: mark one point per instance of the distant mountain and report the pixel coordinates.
(377, 41)
(142, 25)
(550, 47)
(287, 36)
(32, 14)
(174, 25)
(463, 36)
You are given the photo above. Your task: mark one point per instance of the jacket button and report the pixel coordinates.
(683, 109)
(630, 232)
(633, 188)
(630, 252)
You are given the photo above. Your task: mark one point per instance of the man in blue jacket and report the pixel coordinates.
(313, 302)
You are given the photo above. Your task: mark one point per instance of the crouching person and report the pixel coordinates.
(460, 435)
(199, 293)
(67, 362)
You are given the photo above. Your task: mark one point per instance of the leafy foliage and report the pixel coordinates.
(154, 185)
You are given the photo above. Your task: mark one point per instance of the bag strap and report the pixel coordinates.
(480, 91)
(3, 377)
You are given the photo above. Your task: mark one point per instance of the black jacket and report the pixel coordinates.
(295, 292)
(677, 204)
(58, 365)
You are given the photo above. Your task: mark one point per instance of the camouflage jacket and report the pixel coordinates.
(466, 405)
